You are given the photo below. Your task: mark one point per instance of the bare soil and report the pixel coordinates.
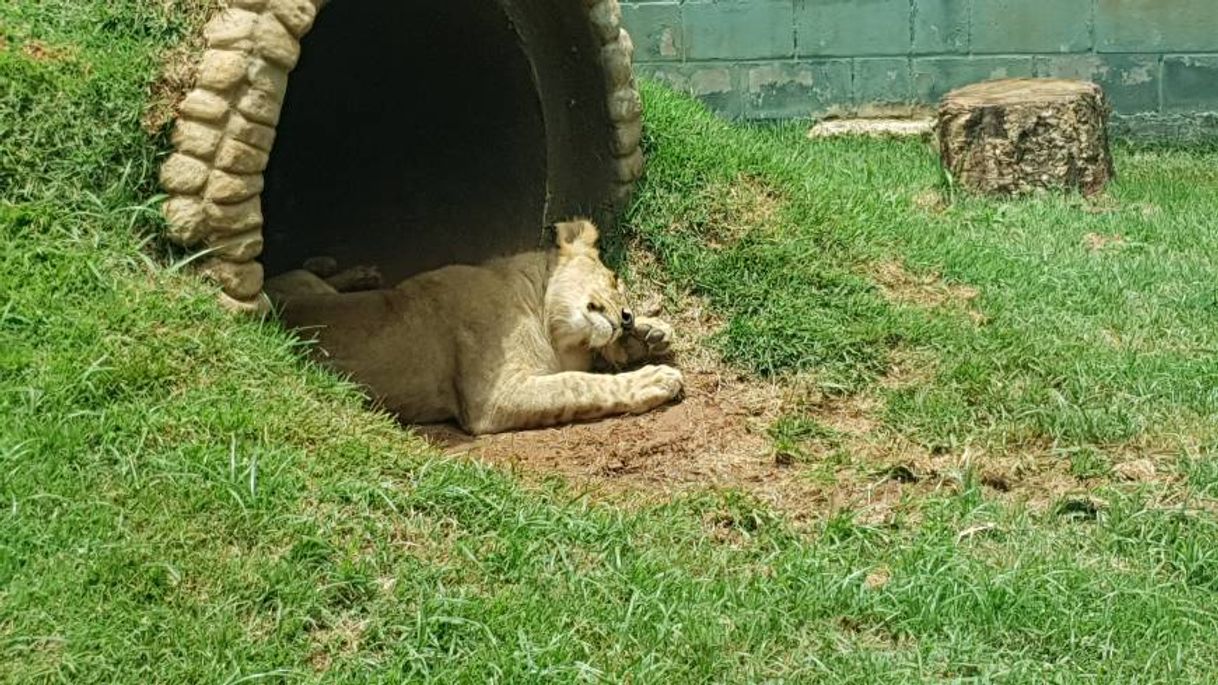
(1095, 242)
(39, 51)
(924, 290)
(178, 66)
(714, 437)
(745, 204)
(176, 78)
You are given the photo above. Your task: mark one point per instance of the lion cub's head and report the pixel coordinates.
(585, 302)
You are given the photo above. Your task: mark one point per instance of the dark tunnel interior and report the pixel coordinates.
(420, 134)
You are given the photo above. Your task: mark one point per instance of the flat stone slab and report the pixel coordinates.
(872, 127)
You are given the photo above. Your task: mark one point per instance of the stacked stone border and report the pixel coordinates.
(225, 131)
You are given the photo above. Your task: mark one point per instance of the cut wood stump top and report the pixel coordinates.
(1019, 91)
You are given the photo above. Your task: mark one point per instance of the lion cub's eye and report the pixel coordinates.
(594, 307)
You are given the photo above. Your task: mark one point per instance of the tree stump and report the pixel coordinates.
(1012, 136)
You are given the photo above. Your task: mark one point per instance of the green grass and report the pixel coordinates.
(1076, 346)
(183, 500)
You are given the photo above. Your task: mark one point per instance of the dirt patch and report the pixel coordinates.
(177, 75)
(1138, 471)
(1148, 210)
(714, 437)
(1100, 203)
(931, 201)
(877, 579)
(340, 640)
(175, 80)
(1094, 242)
(734, 208)
(927, 291)
(41, 52)
(908, 367)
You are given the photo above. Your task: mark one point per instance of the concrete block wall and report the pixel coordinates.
(773, 59)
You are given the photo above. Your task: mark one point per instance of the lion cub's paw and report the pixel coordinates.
(657, 385)
(655, 334)
(322, 267)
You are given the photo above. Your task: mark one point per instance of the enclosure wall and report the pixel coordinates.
(765, 59)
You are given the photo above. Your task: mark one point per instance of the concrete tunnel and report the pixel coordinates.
(405, 135)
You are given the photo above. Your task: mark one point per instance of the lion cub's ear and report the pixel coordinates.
(576, 236)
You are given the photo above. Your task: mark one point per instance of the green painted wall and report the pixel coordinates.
(773, 59)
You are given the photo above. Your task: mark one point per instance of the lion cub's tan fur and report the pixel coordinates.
(509, 344)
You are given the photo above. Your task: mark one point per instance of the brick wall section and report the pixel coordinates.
(765, 59)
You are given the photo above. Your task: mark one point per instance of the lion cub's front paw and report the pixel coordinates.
(656, 336)
(657, 385)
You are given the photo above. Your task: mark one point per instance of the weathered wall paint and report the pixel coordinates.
(765, 59)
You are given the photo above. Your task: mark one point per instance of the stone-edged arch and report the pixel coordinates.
(226, 129)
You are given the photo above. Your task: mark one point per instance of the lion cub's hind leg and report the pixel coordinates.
(296, 283)
(356, 279)
(570, 396)
(350, 280)
(321, 276)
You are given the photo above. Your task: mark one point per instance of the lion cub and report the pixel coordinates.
(506, 345)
